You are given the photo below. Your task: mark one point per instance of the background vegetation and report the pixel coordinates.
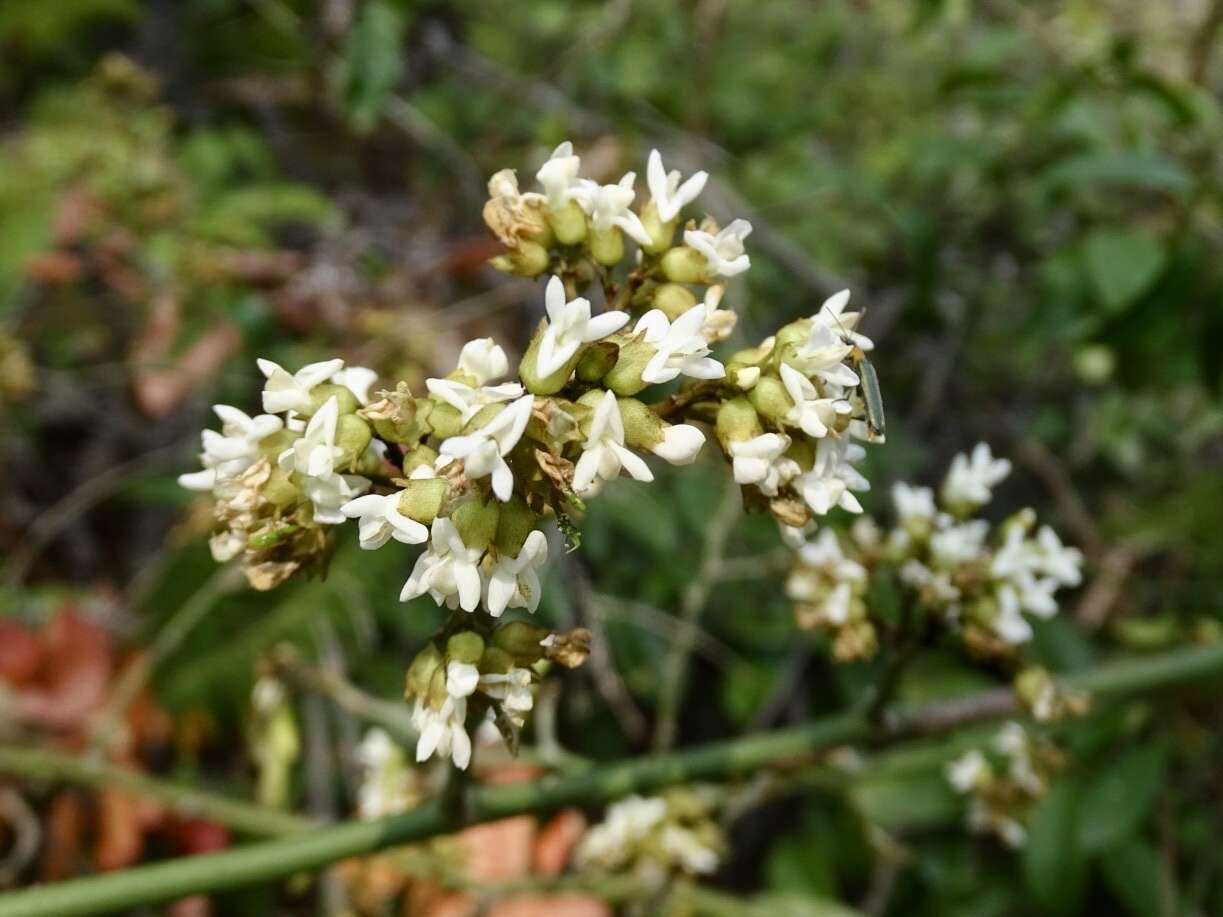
(1026, 197)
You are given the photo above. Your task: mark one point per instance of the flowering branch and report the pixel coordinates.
(722, 760)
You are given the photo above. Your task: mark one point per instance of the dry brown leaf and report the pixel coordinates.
(77, 663)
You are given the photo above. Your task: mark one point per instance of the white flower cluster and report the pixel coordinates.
(981, 581)
(388, 785)
(654, 835)
(1003, 786)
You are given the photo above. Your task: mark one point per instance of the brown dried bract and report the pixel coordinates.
(557, 469)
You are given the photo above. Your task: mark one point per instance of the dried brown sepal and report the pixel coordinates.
(569, 649)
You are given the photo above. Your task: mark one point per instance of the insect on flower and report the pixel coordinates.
(868, 379)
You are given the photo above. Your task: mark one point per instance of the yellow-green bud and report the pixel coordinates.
(802, 452)
(521, 640)
(495, 661)
(625, 377)
(661, 234)
(466, 646)
(529, 259)
(516, 522)
(596, 360)
(674, 300)
(346, 401)
(607, 246)
(422, 499)
(643, 429)
(529, 373)
(352, 436)
(436, 694)
(421, 455)
(685, 265)
(476, 521)
(279, 490)
(421, 671)
(444, 420)
(770, 399)
(568, 223)
(271, 446)
(743, 377)
(737, 421)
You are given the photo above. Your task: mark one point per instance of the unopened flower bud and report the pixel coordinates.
(607, 246)
(625, 377)
(515, 523)
(466, 646)
(673, 300)
(422, 499)
(476, 521)
(346, 401)
(495, 661)
(279, 489)
(521, 640)
(744, 377)
(568, 223)
(527, 259)
(352, 436)
(421, 671)
(737, 421)
(643, 429)
(419, 457)
(528, 369)
(278, 442)
(661, 233)
(685, 265)
(770, 399)
(596, 361)
(443, 419)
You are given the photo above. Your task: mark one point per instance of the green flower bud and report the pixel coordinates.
(685, 265)
(476, 521)
(625, 377)
(278, 442)
(421, 671)
(674, 300)
(794, 333)
(444, 420)
(770, 399)
(802, 451)
(743, 377)
(482, 417)
(346, 401)
(436, 694)
(421, 455)
(521, 640)
(607, 246)
(495, 661)
(279, 489)
(544, 385)
(643, 429)
(737, 420)
(529, 259)
(466, 646)
(568, 223)
(516, 522)
(352, 436)
(661, 234)
(422, 499)
(596, 360)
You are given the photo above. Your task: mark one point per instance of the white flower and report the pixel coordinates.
(969, 480)
(825, 553)
(1010, 624)
(314, 453)
(724, 252)
(512, 690)
(669, 196)
(443, 731)
(330, 492)
(913, 504)
(966, 772)
(570, 325)
(1062, 563)
(680, 444)
(627, 822)
(832, 477)
(680, 346)
(608, 206)
(285, 392)
(823, 355)
(483, 452)
(467, 400)
(386, 783)
(832, 314)
(381, 520)
(483, 360)
(461, 678)
(233, 450)
(604, 452)
(687, 849)
(761, 461)
(514, 582)
(813, 414)
(959, 544)
(357, 379)
(559, 176)
(448, 570)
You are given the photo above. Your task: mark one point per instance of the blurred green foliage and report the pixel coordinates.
(1026, 197)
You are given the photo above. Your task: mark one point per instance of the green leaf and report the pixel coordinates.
(1138, 170)
(1052, 862)
(374, 58)
(1132, 872)
(1120, 797)
(1122, 265)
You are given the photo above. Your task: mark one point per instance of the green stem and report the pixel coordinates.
(723, 760)
(243, 817)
